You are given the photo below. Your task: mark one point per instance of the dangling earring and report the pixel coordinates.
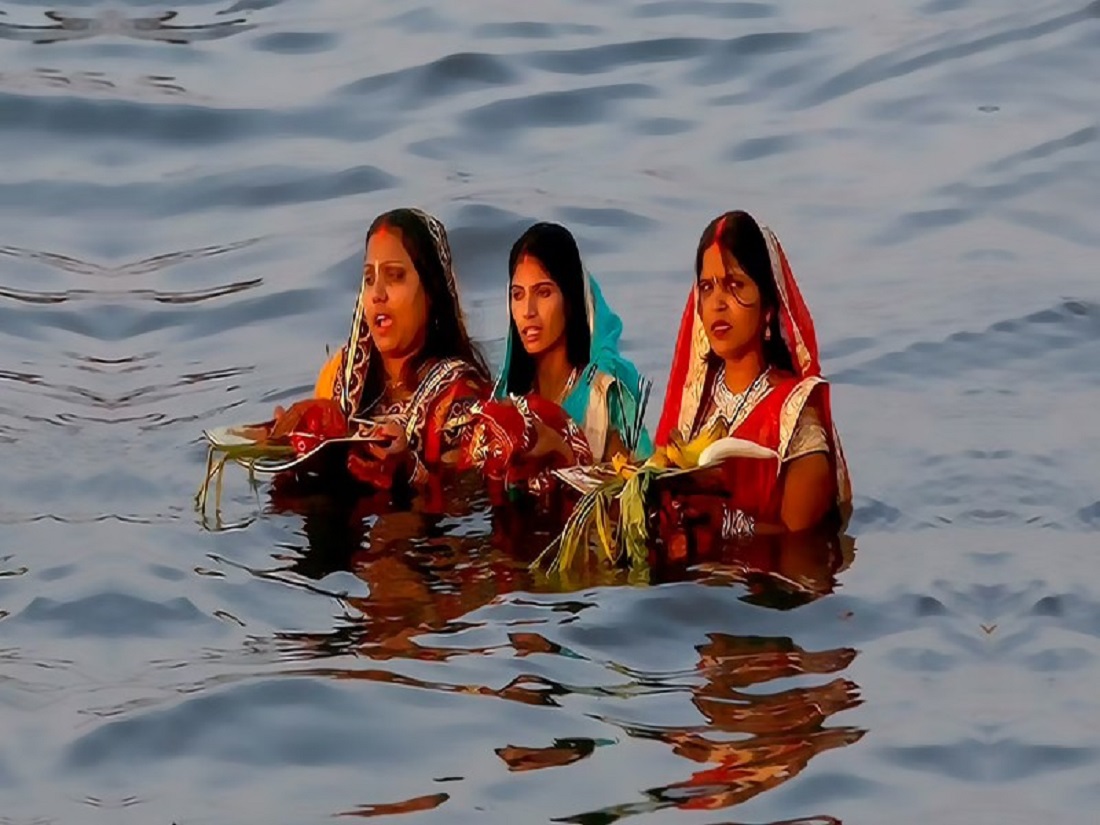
(768, 329)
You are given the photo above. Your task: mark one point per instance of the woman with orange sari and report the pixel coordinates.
(409, 374)
(747, 364)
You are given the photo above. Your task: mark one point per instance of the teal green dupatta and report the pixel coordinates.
(607, 372)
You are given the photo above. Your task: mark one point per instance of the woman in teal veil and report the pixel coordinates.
(563, 345)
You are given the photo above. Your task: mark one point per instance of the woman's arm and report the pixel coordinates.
(382, 463)
(550, 443)
(809, 476)
(809, 491)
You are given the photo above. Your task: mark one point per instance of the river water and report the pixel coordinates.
(183, 196)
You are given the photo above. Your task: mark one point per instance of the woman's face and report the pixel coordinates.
(538, 307)
(396, 302)
(729, 306)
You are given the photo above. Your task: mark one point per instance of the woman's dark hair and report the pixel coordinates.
(447, 335)
(739, 236)
(553, 246)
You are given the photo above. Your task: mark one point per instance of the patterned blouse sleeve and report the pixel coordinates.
(809, 435)
(467, 393)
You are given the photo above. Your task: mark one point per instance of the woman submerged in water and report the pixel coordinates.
(746, 365)
(563, 346)
(409, 373)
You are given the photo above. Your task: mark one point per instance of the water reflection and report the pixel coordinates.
(111, 22)
(408, 806)
(428, 574)
(88, 83)
(424, 569)
(751, 742)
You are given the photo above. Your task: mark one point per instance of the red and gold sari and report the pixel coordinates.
(432, 417)
(790, 414)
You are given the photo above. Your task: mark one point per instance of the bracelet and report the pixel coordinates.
(737, 524)
(418, 476)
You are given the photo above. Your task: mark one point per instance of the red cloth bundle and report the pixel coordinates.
(498, 432)
(504, 430)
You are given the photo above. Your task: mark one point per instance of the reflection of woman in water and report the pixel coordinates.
(421, 577)
(753, 740)
(751, 737)
(409, 372)
(746, 362)
(421, 580)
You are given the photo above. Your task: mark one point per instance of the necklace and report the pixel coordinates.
(568, 388)
(730, 405)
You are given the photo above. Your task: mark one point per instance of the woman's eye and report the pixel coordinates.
(517, 295)
(544, 292)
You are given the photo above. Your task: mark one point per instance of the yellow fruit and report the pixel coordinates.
(658, 460)
(622, 465)
(676, 456)
(691, 451)
(675, 451)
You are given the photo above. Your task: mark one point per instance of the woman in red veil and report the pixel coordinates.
(746, 365)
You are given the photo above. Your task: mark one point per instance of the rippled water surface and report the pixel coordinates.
(183, 195)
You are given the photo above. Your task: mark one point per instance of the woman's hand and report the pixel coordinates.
(317, 417)
(548, 442)
(386, 439)
(383, 457)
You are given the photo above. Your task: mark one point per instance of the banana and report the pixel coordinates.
(623, 468)
(605, 532)
(690, 452)
(676, 450)
(659, 460)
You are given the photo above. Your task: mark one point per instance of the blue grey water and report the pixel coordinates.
(183, 196)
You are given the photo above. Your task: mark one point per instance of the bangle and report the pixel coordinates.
(737, 524)
(418, 476)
